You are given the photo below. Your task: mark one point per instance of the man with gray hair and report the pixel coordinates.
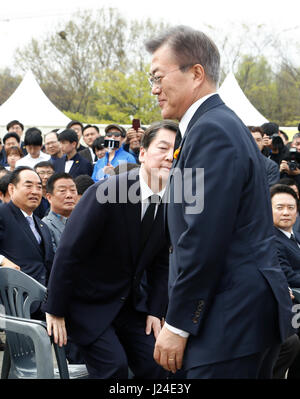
(229, 304)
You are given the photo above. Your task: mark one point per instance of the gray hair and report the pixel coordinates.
(190, 47)
(296, 136)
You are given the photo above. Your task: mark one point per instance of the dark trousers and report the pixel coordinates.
(255, 366)
(123, 344)
(288, 353)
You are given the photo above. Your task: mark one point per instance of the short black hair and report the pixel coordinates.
(270, 128)
(284, 134)
(152, 130)
(70, 124)
(284, 189)
(98, 144)
(4, 182)
(68, 135)
(44, 164)
(288, 181)
(15, 174)
(10, 135)
(83, 182)
(14, 122)
(33, 136)
(56, 176)
(125, 167)
(88, 126)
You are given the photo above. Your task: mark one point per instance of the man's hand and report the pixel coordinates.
(130, 134)
(56, 325)
(8, 263)
(169, 350)
(108, 169)
(153, 323)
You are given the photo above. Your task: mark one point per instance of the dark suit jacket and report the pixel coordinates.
(97, 266)
(289, 257)
(80, 165)
(86, 153)
(226, 285)
(272, 169)
(19, 245)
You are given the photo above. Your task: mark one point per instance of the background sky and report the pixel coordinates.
(21, 20)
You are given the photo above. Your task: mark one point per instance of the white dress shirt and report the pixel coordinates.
(31, 162)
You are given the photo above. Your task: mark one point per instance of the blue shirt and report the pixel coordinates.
(121, 156)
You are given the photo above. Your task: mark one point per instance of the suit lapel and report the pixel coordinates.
(22, 222)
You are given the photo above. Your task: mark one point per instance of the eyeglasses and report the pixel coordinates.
(155, 81)
(116, 134)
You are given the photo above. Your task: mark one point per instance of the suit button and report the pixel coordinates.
(170, 249)
(194, 320)
(123, 298)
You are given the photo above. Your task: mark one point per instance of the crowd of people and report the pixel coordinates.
(137, 280)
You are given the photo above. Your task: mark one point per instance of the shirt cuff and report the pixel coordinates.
(177, 331)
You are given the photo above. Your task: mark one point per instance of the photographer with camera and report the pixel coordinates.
(115, 154)
(133, 139)
(290, 165)
(273, 144)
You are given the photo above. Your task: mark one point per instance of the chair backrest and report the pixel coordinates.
(18, 291)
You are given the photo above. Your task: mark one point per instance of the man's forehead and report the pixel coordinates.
(29, 175)
(64, 183)
(283, 198)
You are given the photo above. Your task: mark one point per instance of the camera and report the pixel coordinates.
(111, 144)
(293, 160)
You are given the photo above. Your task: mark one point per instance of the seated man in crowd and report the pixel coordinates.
(53, 146)
(24, 239)
(285, 204)
(44, 169)
(115, 153)
(17, 127)
(72, 162)
(78, 128)
(90, 133)
(272, 168)
(62, 196)
(9, 140)
(33, 143)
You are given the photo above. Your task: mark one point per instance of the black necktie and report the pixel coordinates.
(178, 139)
(147, 220)
(292, 237)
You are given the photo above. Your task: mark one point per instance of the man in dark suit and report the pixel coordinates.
(89, 134)
(24, 239)
(109, 279)
(72, 162)
(285, 210)
(223, 263)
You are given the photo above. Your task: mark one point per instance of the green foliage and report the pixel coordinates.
(123, 97)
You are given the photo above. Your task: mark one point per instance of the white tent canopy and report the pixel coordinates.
(31, 106)
(234, 98)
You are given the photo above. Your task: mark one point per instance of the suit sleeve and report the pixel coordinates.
(293, 277)
(201, 248)
(77, 242)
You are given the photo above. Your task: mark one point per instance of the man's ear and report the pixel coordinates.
(142, 154)
(48, 196)
(10, 189)
(199, 73)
